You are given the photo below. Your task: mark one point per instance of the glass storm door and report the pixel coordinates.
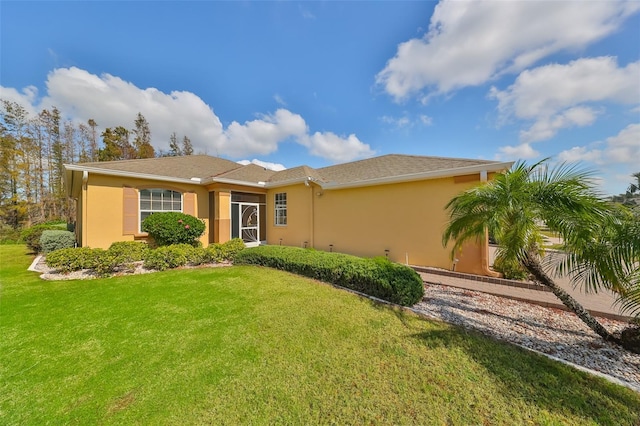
(250, 224)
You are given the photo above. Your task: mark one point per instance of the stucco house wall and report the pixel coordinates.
(102, 207)
(298, 230)
(392, 205)
(407, 219)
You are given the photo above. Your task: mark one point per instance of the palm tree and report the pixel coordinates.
(512, 206)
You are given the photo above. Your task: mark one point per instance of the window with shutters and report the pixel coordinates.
(158, 200)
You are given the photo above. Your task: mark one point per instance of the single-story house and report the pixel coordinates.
(392, 205)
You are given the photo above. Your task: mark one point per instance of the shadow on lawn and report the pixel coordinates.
(547, 384)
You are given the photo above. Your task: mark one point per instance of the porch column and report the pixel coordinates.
(222, 216)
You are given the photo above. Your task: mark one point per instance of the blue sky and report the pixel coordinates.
(319, 83)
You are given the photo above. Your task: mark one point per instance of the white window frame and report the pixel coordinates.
(280, 209)
(165, 205)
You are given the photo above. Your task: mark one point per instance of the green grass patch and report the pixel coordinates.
(249, 345)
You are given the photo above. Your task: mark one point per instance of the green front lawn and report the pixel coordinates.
(244, 345)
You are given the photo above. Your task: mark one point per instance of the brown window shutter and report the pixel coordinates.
(189, 203)
(130, 211)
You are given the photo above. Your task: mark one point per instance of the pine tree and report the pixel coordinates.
(142, 141)
(93, 141)
(187, 148)
(111, 150)
(174, 148)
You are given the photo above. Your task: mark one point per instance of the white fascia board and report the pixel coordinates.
(108, 172)
(458, 171)
(291, 182)
(234, 182)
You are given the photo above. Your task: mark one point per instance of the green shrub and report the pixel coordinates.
(72, 259)
(377, 277)
(226, 251)
(511, 270)
(129, 251)
(51, 240)
(8, 235)
(106, 262)
(168, 228)
(31, 236)
(167, 257)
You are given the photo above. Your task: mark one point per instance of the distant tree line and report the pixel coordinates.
(631, 198)
(34, 149)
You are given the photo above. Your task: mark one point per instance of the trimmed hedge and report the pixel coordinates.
(31, 236)
(176, 255)
(376, 277)
(121, 256)
(168, 228)
(129, 251)
(52, 240)
(72, 259)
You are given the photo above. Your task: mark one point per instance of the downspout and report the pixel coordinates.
(312, 218)
(484, 247)
(85, 227)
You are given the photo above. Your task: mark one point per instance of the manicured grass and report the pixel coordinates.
(244, 345)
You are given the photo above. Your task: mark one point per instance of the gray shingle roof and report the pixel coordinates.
(249, 173)
(206, 167)
(185, 167)
(392, 165)
(300, 172)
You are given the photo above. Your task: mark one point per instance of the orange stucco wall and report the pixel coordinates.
(298, 229)
(103, 201)
(407, 219)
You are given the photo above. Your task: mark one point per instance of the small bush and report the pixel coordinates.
(226, 251)
(8, 235)
(167, 257)
(31, 236)
(511, 270)
(72, 259)
(52, 240)
(377, 277)
(129, 251)
(168, 228)
(106, 262)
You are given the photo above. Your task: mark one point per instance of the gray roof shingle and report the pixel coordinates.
(184, 167)
(206, 167)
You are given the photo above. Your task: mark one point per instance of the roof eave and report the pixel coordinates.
(109, 172)
(235, 182)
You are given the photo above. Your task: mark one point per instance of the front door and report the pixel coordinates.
(250, 224)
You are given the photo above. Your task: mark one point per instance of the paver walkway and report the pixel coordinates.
(600, 304)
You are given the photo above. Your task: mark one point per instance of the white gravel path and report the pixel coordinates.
(554, 332)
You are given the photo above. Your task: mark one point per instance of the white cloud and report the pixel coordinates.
(279, 100)
(27, 97)
(580, 153)
(395, 121)
(472, 42)
(547, 127)
(623, 148)
(555, 96)
(263, 135)
(426, 120)
(111, 101)
(405, 121)
(523, 152)
(336, 148)
(271, 166)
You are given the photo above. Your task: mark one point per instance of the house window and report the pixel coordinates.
(281, 208)
(158, 200)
